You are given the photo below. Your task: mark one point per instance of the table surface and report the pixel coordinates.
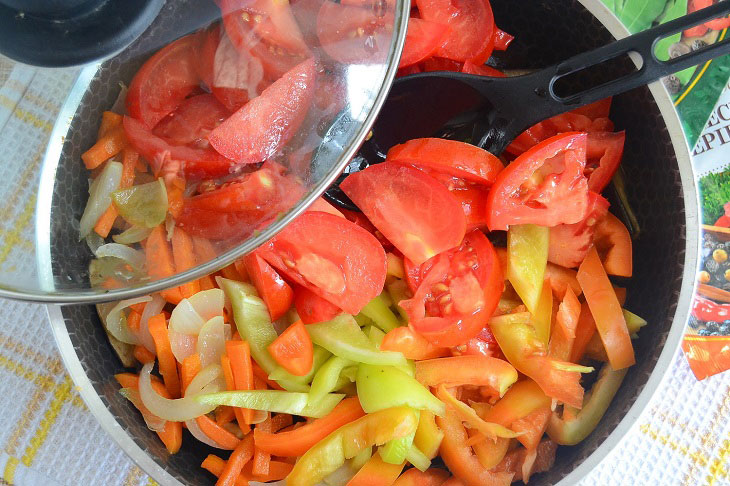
(48, 437)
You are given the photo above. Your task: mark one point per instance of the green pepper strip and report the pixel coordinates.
(343, 337)
(381, 387)
(327, 378)
(377, 310)
(395, 451)
(274, 401)
(527, 252)
(142, 205)
(419, 460)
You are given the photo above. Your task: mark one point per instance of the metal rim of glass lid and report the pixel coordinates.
(57, 267)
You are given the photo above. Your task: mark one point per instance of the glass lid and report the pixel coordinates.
(192, 145)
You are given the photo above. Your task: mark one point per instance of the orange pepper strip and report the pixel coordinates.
(168, 365)
(239, 354)
(584, 331)
(190, 367)
(184, 258)
(239, 457)
(532, 427)
(411, 344)
(494, 373)
(293, 349)
(566, 321)
(298, 441)
(614, 246)
(376, 472)
(171, 433)
(160, 263)
(561, 279)
(214, 431)
(429, 477)
(105, 148)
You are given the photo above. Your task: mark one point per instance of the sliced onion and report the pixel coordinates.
(208, 303)
(120, 104)
(134, 234)
(94, 241)
(180, 409)
(183, 345)
(227, 332)
(259, 416)
(197, 432)
(185, 319)
(130, 255)
(116, 321)
(152, 308)
(100, 196)
(211, 341)
(154, 423)
(341, 475)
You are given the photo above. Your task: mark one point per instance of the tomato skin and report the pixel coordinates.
(332, 257)
(569, 243)
(195, 163)
(559, 198)
(163, 81)
(422, 40)
(502, 39)
(262, 126)
(446, 324)
(471, 28)
(452, 157)
(192, 121)
(276, 293)
(607, 148)
(353, 35)
(412, 210)
(313, 308)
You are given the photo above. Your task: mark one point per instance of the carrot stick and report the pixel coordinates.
(239, 457)
(190, 367)
(105, 148)
(168, 364)
(204, 252)
(215, 466)
(239, 353)
(160, 263)
(175, 191)
(220, 435)
(296, 442)
(278, 470)
(134, 320)
(231, 273)
(109, 120)
(231, 386)
(224, 415)
(259, 373)
(106, 221)
(280, 421)
(138, 308)
(184, 258)
(262, 459)
(143, 355)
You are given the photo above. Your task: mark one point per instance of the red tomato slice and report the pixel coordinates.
(544, 186)
(195, 163)
(440, 64)
(353, 35)
(332, 257)
(215, 225)
(259, 129)
(313, 308)
(276, 293)
(192, 121)
(471, 196)
(458, 292)
(604, 152)
(502, 39)
(206, 53)
(271, 20)
(362, 221)
(163, 81)
(451, 157)
(412, 210)
(422, 40)
(471, 28)
(569, 243)
(481, 70)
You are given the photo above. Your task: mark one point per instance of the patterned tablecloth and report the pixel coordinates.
(48, 437)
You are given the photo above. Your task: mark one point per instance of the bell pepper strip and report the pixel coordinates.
(275, 292)
(313, 308)
(171, 432)
(520, 463)
(346, 442)
(377, 472)
(522, 399)
(168, 364)
(430, 477)
(411, 344)
(490, 453)
(428, 436)
(494, 373)
(517, 340)
(381, 315)
(277, 401)
(561, 279)
(217, 433)
(566, 321)
(613, 242)
(326, 378)
(239, 356)
(527, 250)
(584, 332)
(394, 266)
(398, 291)
(395, 451)
(418, 459)
(595, 349)
(296, 442)
(375, 335)
(634, 323)
(542, 319)
(343, 337)
(254, 325)
(532, 427)
(319, 356)
(460, 458)
(470, 417)
(382, 387)
(361, 459)
(293, 350)
(606, 311)
(572, 430)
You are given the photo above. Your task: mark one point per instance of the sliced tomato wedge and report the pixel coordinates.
(332, 257)
(352, 34)
(313, 308)
(481, 70)
(275, 292)
(192, 121)
(604, 152)
(457, 292)
(569, 243)
(422, 40)
(471, 196)
(412, 210)
(270, 20)
(502, 39)
(194, 163)
(471, 28)
(259, 129)
(452, 157)
(163, 81)
(361, 220)
(544, 186)
(440, 64)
